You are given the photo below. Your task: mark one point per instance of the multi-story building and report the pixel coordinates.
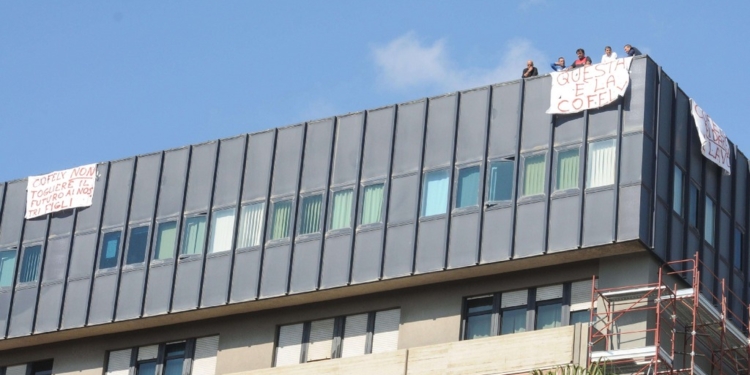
(458, 234)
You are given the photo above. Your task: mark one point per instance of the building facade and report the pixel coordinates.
(412, 238)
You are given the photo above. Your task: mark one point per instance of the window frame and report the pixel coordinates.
(156, 240)
(160, 360)
(14, 270)
(555, 176)
(711, 240)
(301, 214)
(423, 189)
(128, 241)
(271, 216)
(118, 251)
(467, 315)
(681, 185)
(262, 226)
(361, 204)
(589, 173)
(20, 264)
(183, 236)
(738, 263)
(212, 227)
(457, 187)
(488, 184)
(331, 208)
(522, 177)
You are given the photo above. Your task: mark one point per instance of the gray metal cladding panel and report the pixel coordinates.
(628, 219)
(305, 266)
(56, 259)
(201, 177)
(665, 171)
(410, 123)
(645, 228)
(740, 199)
(337, 253)
(530, 227)
(88, 217)
(49, 308)
(726, 190)
(229, 171)
(666, 97)
(635, 108)
(187, 284)
(696, 158)
(245, 276)
(76, 303)
(712, 180)
(118, 192)
(403, 199)
(504, 119)
(463, 248)
(568, 129)
(216, 280)
(5, 297)
(260, 149)
(83, 256)
(347, 149)
(399, 251)
(275, 273)
(707, 257)
(598, 217)
(130, 297)
(564, 223)
(61, 223)
(287, 160)
(726, 229)
(172, 184)
(603, 122)
(660, 232)
(103, 299)
(631, 162)
(681, 124)
(497, 234)
(22, 313)
(472, 125)
(13, 212)
(158, 289)
(317, 160)
(441, 129)
(675, 247)
(693, 244)
(147, 172)
(378, 143)
(368, 255)
(431, 245)
(536, 122)
(35, 229)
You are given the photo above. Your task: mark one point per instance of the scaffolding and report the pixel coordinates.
(682, 323)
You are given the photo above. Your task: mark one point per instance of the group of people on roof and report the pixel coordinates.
(581, 60)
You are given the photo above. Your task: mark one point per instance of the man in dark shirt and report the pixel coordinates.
(581, 61)
(530, 70)
(632, 51)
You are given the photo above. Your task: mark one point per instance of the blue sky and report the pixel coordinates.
(91, 81)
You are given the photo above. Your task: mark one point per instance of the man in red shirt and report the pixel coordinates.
(581, 61)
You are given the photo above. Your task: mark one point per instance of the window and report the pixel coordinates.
(500, 182)
(282, 213)
(549, 306)
(467, 190)
(108, 254)
(534, 174)
(311, 212)
(193, 356)
(194, 235)
(737, 258)
(7, 267)
(341, 210)
(567, 169)
(166, 234)
(513, 320)
(319, 340)
(600, 169)
(709, 225)
(693, 206)
(580, 302)
(31, 260)
(677, 191)
(372, 204)
(174, 358)
(251, 223)
(478, 317)
(33, 368)
(222, 231)
(137, 243)
(435, 192)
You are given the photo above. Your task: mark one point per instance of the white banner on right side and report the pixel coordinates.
(714, 143)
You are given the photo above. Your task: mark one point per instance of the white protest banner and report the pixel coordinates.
(714, 143)
(60, 190)
(589, 87)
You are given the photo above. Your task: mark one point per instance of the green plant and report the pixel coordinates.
(596, 368)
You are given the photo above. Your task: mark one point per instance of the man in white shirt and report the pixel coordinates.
(609, 55)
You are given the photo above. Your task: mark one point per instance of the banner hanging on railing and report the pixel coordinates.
(714, 143)
(589, 87)
(60, 190)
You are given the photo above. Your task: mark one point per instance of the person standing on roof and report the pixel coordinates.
(609, 55)
(581, 61)
(632, 51)
(530, 70)
(559, 65)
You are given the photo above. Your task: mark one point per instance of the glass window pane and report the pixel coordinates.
(513, 321)
(736, 258)
(41, 367)
(677, 191)
(282, 212)
(477, 305)
(251, 222)
(372, 204)
(693, 206)
(222, 231)
(567, 170)
(435, 190)
(467, 193)
(709, 224)
(165, 240)
(194, 235)
(109, 250)
(7, 267)
(146, 368)
(548, 316)
(174, 350)
(341, 216)
(30, 261)
(581, 316)
(533, 175)
(137, 244)
(600, 169)
(478, 326)
(500, 181)
(310, 220)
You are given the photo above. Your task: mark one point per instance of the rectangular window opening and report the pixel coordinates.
(678, 181)
(513, 320)
(600, 169)
(222, 231)
(737, 258)
(500, 181)
(548, 315)
(166, 235)
(30, 262)
(567, 170)
(534, 172)
(478, 317)
(311, 214)
(341, 210)
(435, 192)
(467, 191)
(372, 204)
(251, 223)
(137, 244)
(7, 267)
(709, 225)
(693, 206)
(282, 213)
(110, 249)
(194, 235)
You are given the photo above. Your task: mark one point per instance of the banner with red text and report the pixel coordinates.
(60, 190)
(714, 143)
(589, 87)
